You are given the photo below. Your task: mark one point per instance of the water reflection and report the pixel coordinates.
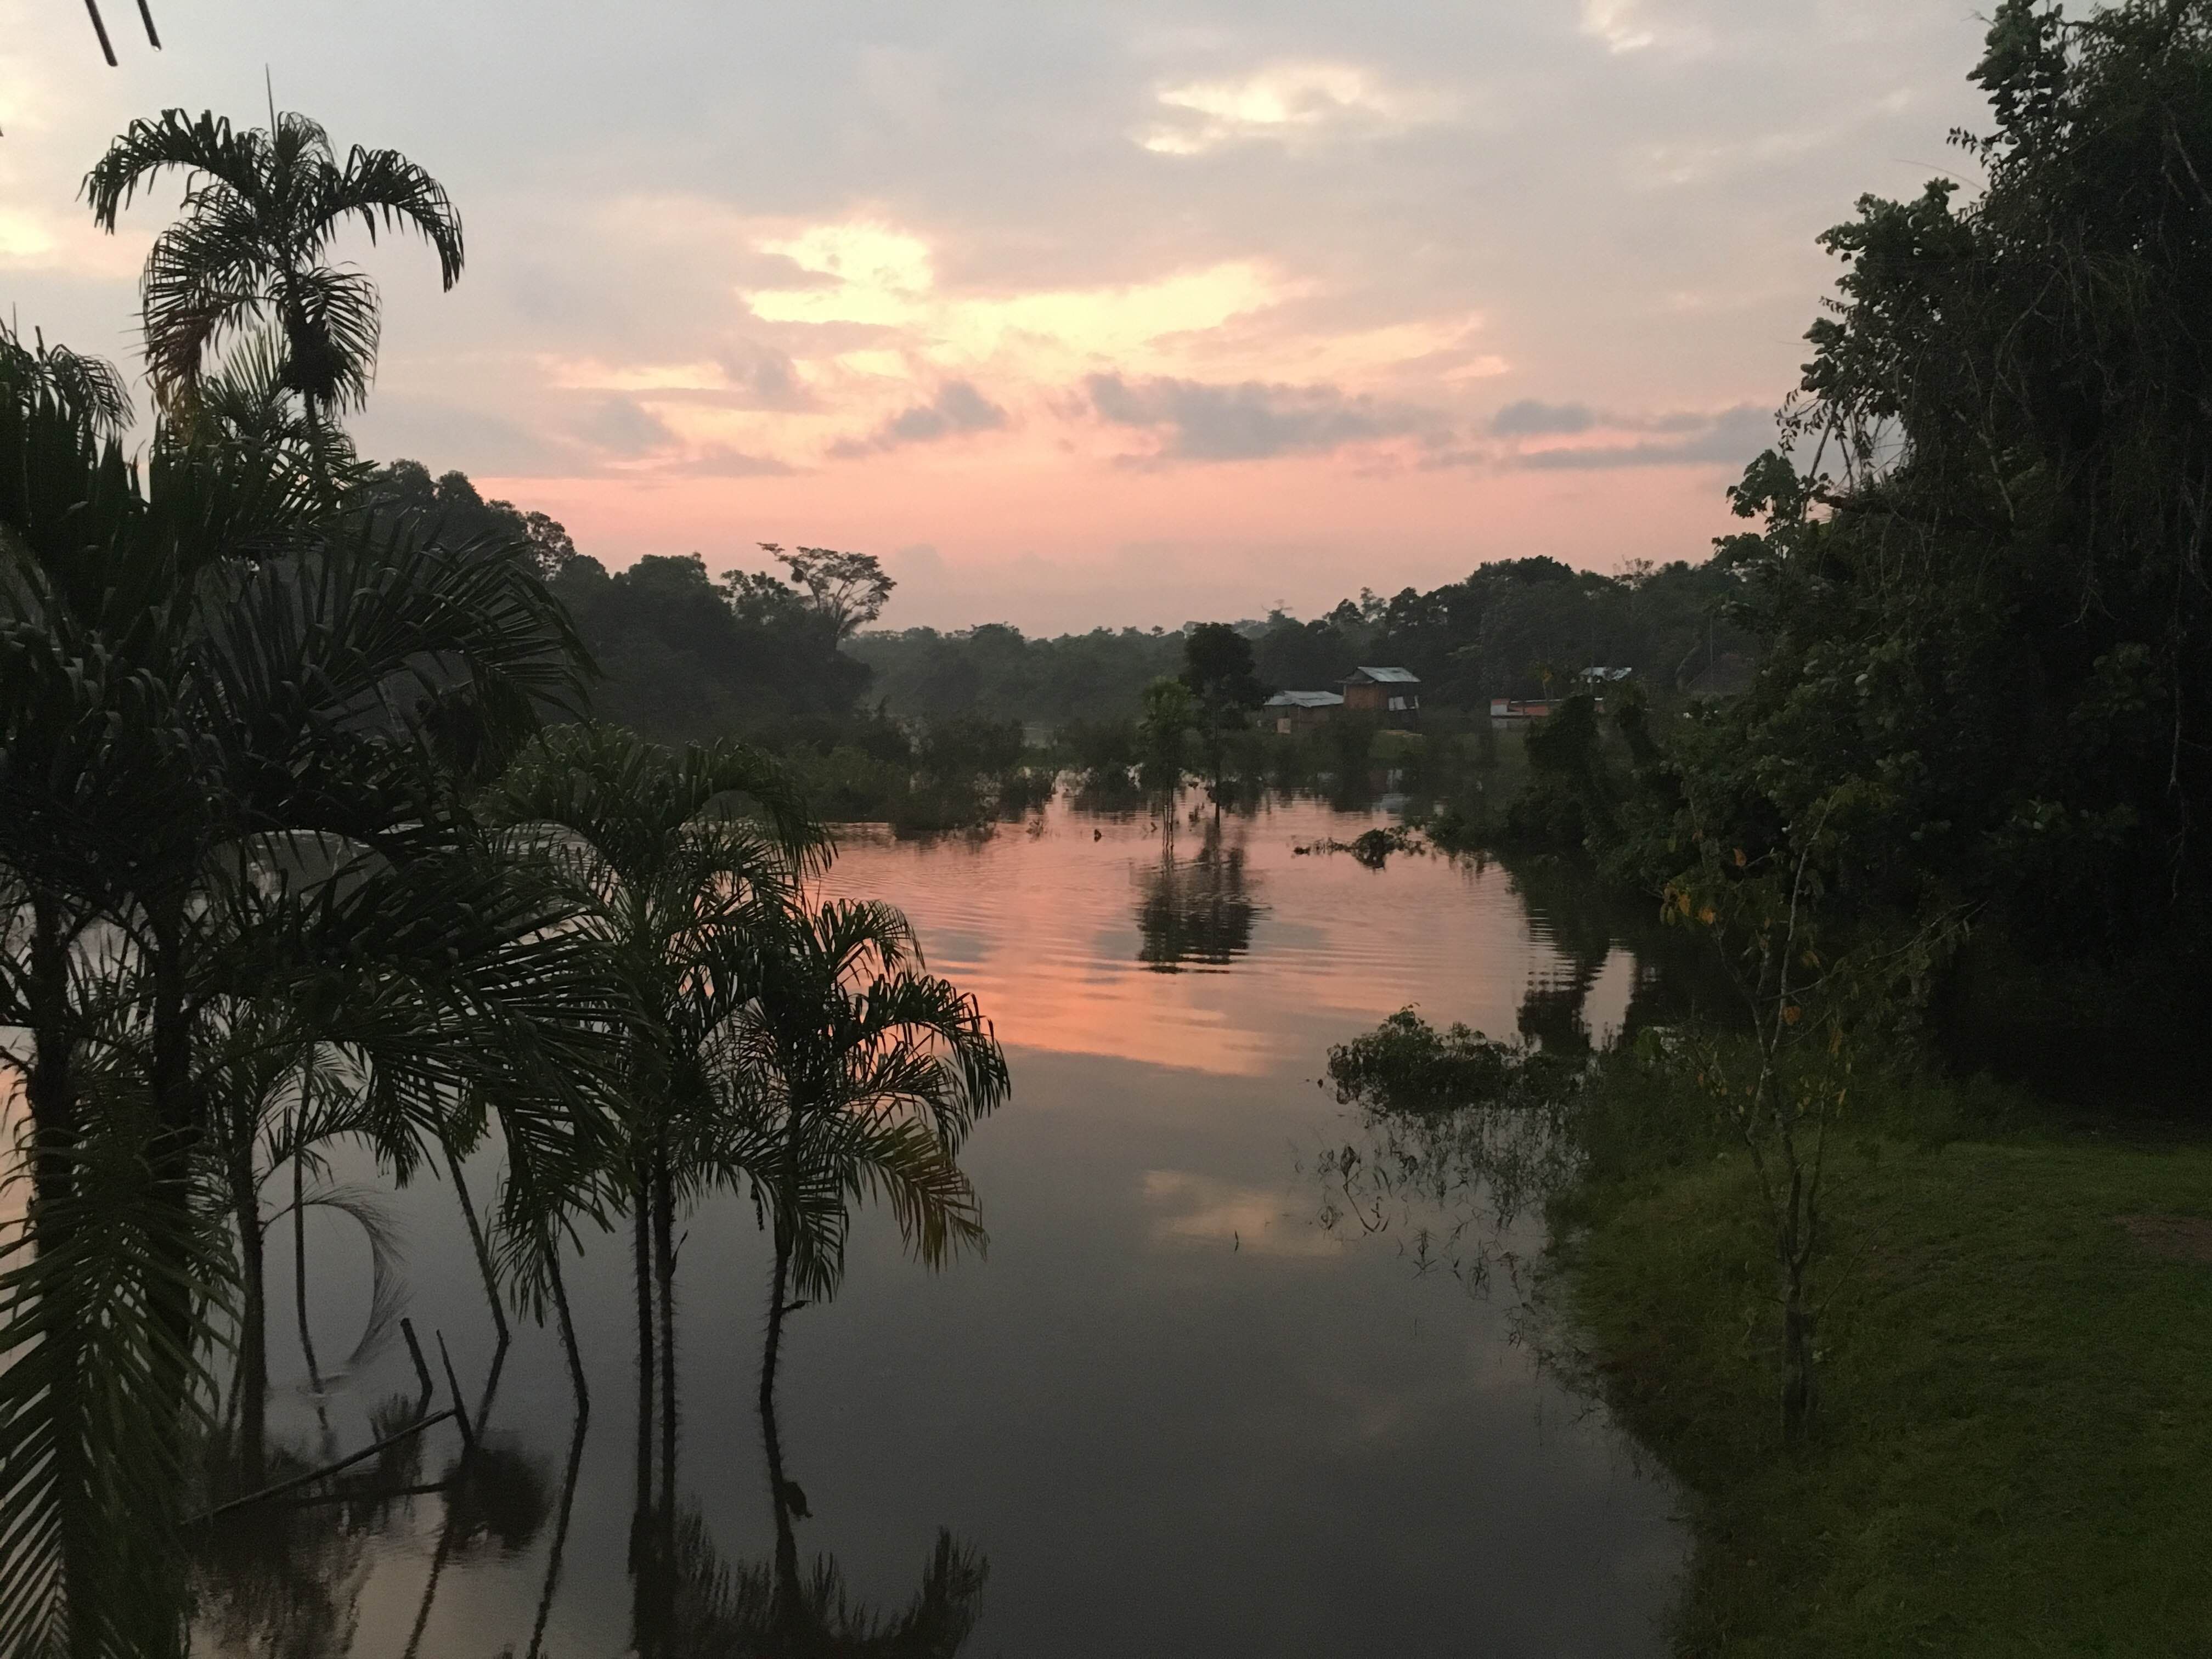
(694, 1603)
(1601, 933)
(1196, 910)
(1165, 1374)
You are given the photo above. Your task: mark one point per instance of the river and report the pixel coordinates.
(1197, 1400)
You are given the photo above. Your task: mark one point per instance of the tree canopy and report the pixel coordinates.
(1979, 557)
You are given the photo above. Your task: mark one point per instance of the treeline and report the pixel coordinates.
(1513, 628)
(681, 655)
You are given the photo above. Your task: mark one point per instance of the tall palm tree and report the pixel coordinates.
(229, 722)
(250, 253)
(862, 1075)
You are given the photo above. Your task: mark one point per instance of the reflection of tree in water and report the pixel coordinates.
(762, 1610)
(1445, 1186)
(284, 1576)
(1195, 910)
(705, 1608)
(1584, 919)
(280, 1573)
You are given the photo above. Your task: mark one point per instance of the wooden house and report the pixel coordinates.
(1301, 711)
(1394, 693)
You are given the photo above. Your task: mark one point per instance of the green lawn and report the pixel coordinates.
(2016, 1454)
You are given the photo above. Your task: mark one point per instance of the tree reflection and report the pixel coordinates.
(1197, 910)
(702, 1607)
(282, 1576)
(1584, 919)
(1446, 1186)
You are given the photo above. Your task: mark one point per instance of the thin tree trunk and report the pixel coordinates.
(664, 1228)
(789, 1613)
(253, 1392)
(1801, 1380)
(772, 1349)
(642, 1240)
(477, 1240)
(300, 1263)
(171, 1298)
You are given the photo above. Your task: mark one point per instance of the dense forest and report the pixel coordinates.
(1507, 629)
(684, 653)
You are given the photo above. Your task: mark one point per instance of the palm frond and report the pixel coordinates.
(172, 141)
(98, 1388)
(386, 191)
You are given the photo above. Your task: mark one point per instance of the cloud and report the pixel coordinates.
(1286, 103)
(443, 433)
(1530, 418)
(722, 462)
(958, 408)
(1193, 420)
(1620, 24)
(744, 375)
(1730, 438)
(1199, 1209)
(623, 428)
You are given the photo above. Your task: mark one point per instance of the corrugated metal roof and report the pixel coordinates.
(1385, 676)
(1305, 699)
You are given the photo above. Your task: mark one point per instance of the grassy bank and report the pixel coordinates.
(2015, 1444)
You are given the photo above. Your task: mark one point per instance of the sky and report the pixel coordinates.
(1075, 314)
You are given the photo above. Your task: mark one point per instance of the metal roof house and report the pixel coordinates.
(1299, 711)
(1383, 691)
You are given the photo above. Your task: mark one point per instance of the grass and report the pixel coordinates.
(2014, 1454)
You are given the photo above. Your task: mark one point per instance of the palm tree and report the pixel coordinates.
(261, 210)
(230, 724)
(664, 852)
(862, 1076)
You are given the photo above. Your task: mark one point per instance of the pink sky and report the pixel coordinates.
(1075, 315)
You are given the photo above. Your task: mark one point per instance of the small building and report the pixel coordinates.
(1301, 711)
(1384, 691)
(1514, 708)
(1598, 678)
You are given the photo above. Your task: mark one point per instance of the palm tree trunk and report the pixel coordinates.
(300, 1265)
(640, 1235)
(664, 1228)
(171, 1298)
(789, 1614)
(772, 1351)
(252, 1391)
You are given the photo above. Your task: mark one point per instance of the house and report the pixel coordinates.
(1513, 708)
(1384, 691)
(1597, 679)
(1301, 711)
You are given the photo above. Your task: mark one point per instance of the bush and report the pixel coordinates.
(1407, 1065)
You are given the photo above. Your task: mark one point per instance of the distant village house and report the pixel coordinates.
(1301, 711)
(1594, 679)
(1384, 691)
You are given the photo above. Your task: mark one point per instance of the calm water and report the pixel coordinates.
(1174, 1411)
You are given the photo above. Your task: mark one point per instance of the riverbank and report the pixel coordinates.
(2016, 1422)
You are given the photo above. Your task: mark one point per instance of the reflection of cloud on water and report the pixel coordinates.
(1209, 1211)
